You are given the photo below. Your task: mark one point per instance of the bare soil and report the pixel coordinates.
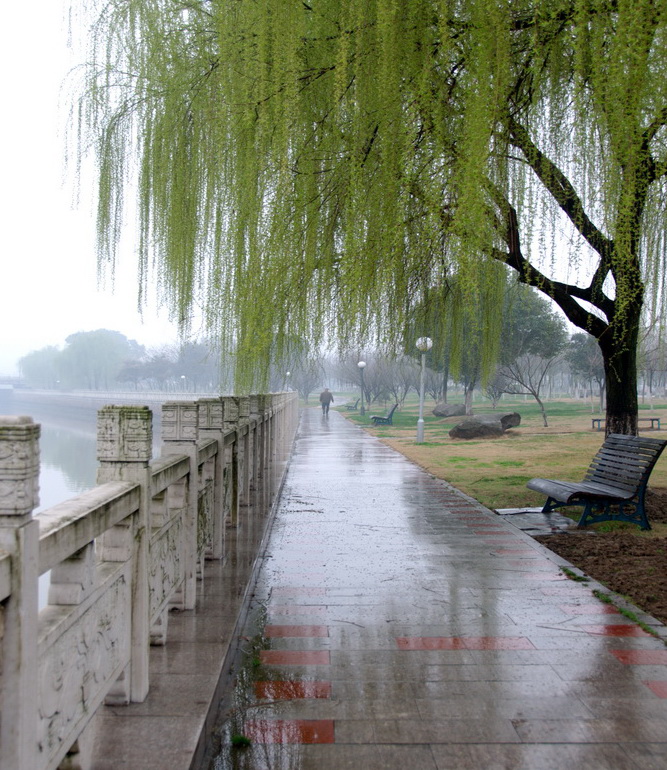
(631, 564)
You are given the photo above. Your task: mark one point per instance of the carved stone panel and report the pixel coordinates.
(231, 409)
(179, 421)
(77, 668)
(244, 407)
(165, 571)
(124, 434)
(19, 465)
(211, 414)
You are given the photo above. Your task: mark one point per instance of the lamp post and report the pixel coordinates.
(362, 366)
(287, 376)
(423, 344)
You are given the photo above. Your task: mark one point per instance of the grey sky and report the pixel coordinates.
(48, 272)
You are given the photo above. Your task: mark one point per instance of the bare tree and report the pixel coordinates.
(527, 375)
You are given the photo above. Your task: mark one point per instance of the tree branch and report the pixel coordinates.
(564, 194)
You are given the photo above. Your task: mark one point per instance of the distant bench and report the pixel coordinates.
(388, 420)
(617, 477)
(598, 422)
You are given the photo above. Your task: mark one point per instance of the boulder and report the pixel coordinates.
(485, 425)
(449, 410)
(474, 427)
(510, 420)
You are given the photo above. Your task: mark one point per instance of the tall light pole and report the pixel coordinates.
(423, 344)
(362, 366)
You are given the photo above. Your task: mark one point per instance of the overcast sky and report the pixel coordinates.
(48, 272)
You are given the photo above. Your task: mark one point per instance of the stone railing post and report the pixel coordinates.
(234, 457)
(124, 450)
(211, 426)
(256, 423)
(247, 439)
(179, 436)
(19, 536)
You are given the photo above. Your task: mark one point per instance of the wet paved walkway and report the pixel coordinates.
(397, 623)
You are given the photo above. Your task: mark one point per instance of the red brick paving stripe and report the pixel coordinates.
(464, 643)
(589, 609)
(658, 687)
(498, 643)
(641, 657)
(290, 731)
(295, 631)
(295, 657)
(615, 630)
(292, 690)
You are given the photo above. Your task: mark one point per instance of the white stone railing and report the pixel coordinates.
(120, 556)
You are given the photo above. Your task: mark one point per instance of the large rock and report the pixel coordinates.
(474, 427)
(485, 426)
(449, 410)
(510, 420)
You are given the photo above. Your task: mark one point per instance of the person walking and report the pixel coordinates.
(326, 398)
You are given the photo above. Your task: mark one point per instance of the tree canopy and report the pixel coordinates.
(314, 168)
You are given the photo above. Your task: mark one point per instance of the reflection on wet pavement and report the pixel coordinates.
(398, 623)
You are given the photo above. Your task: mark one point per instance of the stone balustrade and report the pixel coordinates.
(120, 556)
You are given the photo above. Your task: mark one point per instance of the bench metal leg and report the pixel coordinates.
(632, 512)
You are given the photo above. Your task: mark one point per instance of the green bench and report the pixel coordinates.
(388, 420)
(614, 487)
(598, 422)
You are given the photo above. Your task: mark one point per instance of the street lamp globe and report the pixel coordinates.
(424, 344)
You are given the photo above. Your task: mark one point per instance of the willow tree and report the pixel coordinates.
(317, 167)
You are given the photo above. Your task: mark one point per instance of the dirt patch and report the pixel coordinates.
(628, 563)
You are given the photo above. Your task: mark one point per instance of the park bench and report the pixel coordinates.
(388, 420)
(353, 407)
(598, 422)
(616, 479)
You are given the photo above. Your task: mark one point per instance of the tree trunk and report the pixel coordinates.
(543, 410)
(468, 398)
(620, 367)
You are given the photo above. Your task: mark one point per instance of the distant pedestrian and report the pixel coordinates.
(326, 398)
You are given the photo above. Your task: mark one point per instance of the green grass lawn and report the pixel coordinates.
(495, 471)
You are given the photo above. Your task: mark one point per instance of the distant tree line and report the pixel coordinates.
(107, 360)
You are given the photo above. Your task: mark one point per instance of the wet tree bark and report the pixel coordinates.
(621, 384)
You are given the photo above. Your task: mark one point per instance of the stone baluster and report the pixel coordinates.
(211, 426)
(268, 439)
(19, 537)
(247, 441)
(256, 428)
(124, 450)
(179, 436)
(260, 415)
(234, 457)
